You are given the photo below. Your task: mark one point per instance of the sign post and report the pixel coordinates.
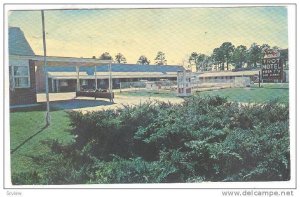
(259, 79)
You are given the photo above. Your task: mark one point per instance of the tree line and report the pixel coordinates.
(238, 57)
(221, 57)
(160, 58)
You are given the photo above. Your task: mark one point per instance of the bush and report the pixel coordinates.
(202, 139)
(26, 178)
(111, 132)
(134, 170)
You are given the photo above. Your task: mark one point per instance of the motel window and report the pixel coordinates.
(21, 71)
(20, 76)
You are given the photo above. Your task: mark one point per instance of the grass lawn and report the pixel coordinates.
(25, 124)
(253, 94)
(162, 94)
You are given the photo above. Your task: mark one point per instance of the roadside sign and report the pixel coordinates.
(271, 53)
(272, 69)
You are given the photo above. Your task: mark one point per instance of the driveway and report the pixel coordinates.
(69, 101)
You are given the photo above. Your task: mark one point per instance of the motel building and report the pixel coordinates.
(63, 78)
(223, 76)
(65, 74)
(71, 74)
(22, 84)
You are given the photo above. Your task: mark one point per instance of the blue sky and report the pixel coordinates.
(135, 32)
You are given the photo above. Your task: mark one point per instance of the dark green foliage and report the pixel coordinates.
(134, 170)
(26, 178)
(110, 132)
(202, 139)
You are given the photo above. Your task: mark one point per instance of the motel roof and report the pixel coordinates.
(229, 73)
(17, 43)
(118, 71)
(118, 68)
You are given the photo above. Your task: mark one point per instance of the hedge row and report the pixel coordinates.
(202, 139)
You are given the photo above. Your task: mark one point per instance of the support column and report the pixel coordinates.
(52, 84)
(110, 84)
(77, 79)
(110, 79)
(57, 85)
(96, 84)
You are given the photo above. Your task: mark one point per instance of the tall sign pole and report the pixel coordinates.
(45, 70)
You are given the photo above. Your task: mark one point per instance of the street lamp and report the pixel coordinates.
(45, 70)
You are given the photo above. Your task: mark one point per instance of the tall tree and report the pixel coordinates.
(119, 58)
(143, 60)
(208, 62)
(284, 54)
(239, 56)
(227, 48)
(218, 58)
(105, 56)
(160, 58)
(193, 58)
(199, 60)
(254, 55)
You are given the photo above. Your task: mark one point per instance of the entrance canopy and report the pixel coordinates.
(73, 63)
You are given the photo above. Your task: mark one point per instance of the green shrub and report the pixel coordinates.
(26, 178)
(111, 132)
(202, 139)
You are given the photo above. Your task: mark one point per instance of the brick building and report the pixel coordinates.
(22, 86)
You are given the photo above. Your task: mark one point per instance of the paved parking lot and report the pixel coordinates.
(69, 101)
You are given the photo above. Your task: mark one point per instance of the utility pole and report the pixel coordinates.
(45, 70)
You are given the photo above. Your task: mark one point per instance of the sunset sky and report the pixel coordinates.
(135, 32)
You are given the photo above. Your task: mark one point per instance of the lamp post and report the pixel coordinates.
(45, 70)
